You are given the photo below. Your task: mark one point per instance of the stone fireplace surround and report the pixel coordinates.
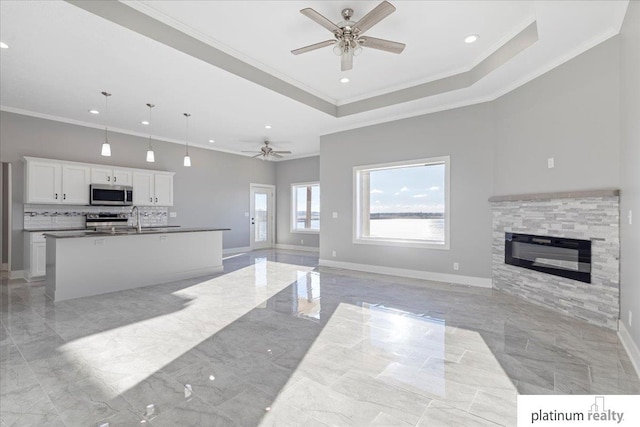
(590, 215)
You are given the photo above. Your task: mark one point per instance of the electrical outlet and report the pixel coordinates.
(630, 317)
(550, 163)
(456, 266)
(99, 242)
(335, 215)
(630, 216)
(333, 254)
(302, 241)
(173, 214)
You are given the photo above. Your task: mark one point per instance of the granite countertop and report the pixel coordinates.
(49, 230)
(128, 232)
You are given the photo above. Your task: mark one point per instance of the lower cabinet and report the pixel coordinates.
(36, 261)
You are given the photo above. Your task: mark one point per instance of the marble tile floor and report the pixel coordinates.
(278, 341)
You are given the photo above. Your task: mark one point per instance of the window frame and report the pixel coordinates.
(293, 210)
(358, 202)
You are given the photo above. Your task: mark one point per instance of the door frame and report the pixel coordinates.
(272, 220)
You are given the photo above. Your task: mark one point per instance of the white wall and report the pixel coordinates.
(630, 167)
(214, 192)
(290, 172)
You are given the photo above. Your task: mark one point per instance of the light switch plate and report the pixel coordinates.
(173, 214)
(335, 215)
(550, 163)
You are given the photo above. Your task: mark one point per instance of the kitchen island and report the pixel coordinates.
(85, 263)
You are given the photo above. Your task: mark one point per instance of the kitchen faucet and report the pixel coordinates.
(138, 225)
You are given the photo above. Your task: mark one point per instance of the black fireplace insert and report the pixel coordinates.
(570, 258)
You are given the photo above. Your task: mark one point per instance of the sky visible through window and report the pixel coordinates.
(408, 189)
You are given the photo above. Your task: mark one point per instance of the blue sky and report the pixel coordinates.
(411, 189)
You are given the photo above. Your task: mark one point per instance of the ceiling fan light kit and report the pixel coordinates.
(268, 153)
(349, 40)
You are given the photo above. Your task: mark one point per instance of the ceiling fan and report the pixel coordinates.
(267, 152)
(349, 39)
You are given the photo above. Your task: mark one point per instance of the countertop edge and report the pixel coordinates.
(86, 234)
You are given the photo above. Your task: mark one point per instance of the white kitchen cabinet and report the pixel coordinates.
(43, 182)
(75, 184)
(101, 175)
(143, 188)
(55, 182)
(163, 189)
(36, 262)
(152, 188)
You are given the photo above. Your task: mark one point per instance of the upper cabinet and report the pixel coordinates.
(152, 188)
(56, 181)
(103, 175)
(53, 182)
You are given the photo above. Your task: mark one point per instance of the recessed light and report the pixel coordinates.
(344, 80)
(144, 122)
(212, 141)
(471, 38)
(267, 127)
(94, 111)
(3, 45)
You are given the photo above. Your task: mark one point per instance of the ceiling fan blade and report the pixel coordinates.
(381, 44)
(257, 155)
(313, 47)
(248, 151)
(281, 152)
(315, 16)
(376, 15)
(347, 61)
(275, 155)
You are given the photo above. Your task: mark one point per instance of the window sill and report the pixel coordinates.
(306, 231)
(401, 243)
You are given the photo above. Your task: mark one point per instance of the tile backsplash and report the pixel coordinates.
(48, 217)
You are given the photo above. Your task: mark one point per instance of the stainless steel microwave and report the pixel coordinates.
(111, 195)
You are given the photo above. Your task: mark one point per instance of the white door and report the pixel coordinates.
(122, 177)
(143, 192)
(163, 189)
(101, 175)
(75, 184)
(262, 214)
(44, 182)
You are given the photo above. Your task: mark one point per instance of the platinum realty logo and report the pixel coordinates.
(623, 410)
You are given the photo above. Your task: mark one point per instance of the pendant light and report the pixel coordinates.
(187, 159)
(150, 156)
(106, 147)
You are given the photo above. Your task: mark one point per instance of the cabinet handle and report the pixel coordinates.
(108, 179)
(64, 196)
(151, 199)
(115, 178)
(156, 200)
(56, 196)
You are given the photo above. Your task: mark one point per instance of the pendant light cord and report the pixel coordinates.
(150, 107)
(106, 115)
(187, 115)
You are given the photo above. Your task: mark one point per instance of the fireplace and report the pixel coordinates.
(570, 258)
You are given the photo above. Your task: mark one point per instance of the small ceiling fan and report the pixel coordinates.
(349, 39)
(267, 152)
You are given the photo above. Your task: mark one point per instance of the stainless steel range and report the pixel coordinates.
(106, 220)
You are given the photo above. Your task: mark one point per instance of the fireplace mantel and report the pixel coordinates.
(607, 192)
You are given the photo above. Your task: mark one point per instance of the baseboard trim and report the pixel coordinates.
(16, 274)
(297, 248)
(413, 274)
(231, 251)
(629, 345)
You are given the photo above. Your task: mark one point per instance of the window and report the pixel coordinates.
(403, 203)
(305, 212)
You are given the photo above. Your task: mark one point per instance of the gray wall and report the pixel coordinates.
(630, 183)
(465, 134)
(290, 172)
(214, 192)
(571, 114)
